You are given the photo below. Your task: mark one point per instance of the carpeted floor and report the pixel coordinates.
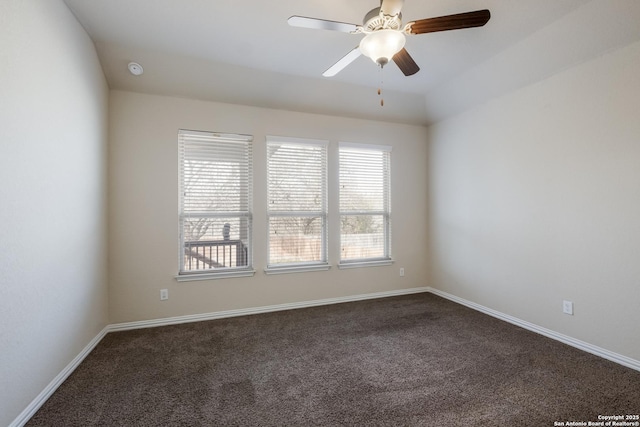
(415, 360)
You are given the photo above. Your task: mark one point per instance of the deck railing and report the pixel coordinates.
(212, 254)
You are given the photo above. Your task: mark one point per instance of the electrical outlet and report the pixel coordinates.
(164, 294)
(401, 271)
(567, 307)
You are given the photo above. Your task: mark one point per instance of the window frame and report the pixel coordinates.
(186, 136)
(386, 259)
(301, 266)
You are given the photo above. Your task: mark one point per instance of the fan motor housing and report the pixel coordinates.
(374, 20)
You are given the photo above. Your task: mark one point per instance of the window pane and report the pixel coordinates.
(296, 177)
(295, 240)
(215, 175)
(362, 180)
(213, 243)
(362, 237)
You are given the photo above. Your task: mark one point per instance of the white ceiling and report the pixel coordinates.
(244, 52)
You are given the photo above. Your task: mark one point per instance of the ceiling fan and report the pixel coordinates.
(385, 36)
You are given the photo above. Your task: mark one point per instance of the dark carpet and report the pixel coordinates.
(416, 360)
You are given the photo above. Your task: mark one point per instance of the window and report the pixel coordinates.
(297, 204)
(365, 229)
(215, 172)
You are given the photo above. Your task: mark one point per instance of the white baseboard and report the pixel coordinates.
(258, 310)
(33, 407)
(585, 346)
(30, 410)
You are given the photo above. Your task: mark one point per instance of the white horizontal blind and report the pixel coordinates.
(215, 173)
(297, 201)
(365, 223)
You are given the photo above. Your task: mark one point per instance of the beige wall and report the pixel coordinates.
(535, 198)
(143, 208)
(53, 124)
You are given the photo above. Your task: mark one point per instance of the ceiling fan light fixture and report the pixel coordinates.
(381, 45)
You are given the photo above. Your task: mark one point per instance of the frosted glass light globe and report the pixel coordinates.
(381, 45)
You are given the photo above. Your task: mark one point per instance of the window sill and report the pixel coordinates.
(190, 277)
(297, 269)
(361, 264)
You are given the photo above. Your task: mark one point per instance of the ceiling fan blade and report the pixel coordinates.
(321, 24)
(451, 22)
(405, 62)
(343, 62)
(391, 7)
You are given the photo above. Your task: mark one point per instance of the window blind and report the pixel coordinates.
(215, 188)
(365, 208)
(297, 201)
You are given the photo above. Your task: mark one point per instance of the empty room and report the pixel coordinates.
(376, 213)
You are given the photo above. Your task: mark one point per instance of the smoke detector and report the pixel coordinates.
(135, 68)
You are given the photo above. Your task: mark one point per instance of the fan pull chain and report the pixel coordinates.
(381, 72)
